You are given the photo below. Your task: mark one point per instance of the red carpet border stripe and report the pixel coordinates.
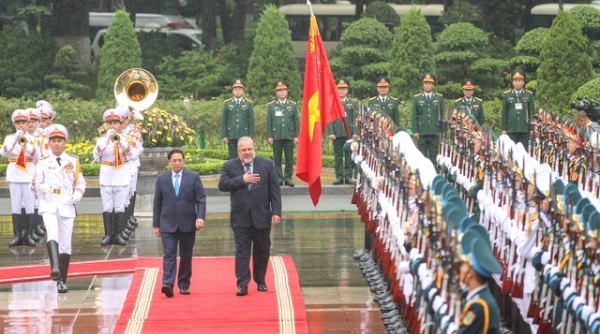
(143, 302)
(287, 322)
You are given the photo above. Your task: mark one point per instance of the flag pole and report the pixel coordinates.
(310, 7)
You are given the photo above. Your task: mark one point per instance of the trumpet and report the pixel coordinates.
(115, 138)
(22, 140)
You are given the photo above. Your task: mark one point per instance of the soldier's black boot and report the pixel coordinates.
(27, 228)
(109, 229)
(52, 247)
(63, 260)
(132, 218)
(31, 228)
(39, 230)
(119, 222)
(128, 227)
(17, 241)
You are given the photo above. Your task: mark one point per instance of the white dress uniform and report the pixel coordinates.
(35, 137)
(22, 159)
(114, 181)
(62, 185)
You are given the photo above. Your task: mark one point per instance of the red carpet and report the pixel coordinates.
(212, 307)
(76, 269)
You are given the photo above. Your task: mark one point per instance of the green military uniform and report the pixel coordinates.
(237, 119)
(283, 126)
(426, 113)
(517, 110)
(387, 104)
(343, 155)
(472, 106)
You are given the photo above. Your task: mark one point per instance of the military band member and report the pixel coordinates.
(62, 184)
(22, 157)
(282, 131)
(469, 104)
(517, 109)
(428, 109)
(34, 134)
(237, 118)
(112, 151)
(337, 133)
(47, 113)
(383, 102)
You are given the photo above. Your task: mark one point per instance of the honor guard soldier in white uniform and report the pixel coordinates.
(34, 135)
(112, 151)
(22, 155)
(62, 185)
(131, 134)
(48, 114)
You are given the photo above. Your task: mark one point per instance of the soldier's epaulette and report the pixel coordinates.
(352, 99)
(458, 100)
(290, 101)
(10, 134)
(439, 94)
(478, 99)
(393, 98)
(528, 91)
(508, 91)
(44, 157)
(228, 100)
(272, 102)
(373, 98)
(418, 94)
(245, 99)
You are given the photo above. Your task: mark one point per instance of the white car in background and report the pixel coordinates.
(189, 39)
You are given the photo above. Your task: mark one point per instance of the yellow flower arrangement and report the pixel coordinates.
(164, 129)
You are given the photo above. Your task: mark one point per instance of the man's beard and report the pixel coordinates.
(247, 161)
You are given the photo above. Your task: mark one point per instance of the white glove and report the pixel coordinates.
(545, 258)
(413, 254)
(438, 302)
(76, 197)
(46, 191)
(20, 133)
(460, 179)
(109, 135)
(452, 328)
(404, 267)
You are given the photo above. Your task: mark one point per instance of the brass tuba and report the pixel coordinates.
(137, 89)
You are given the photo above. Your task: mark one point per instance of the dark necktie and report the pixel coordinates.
(247, 169)
(58, 161)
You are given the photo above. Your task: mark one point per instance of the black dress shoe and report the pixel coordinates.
(167, 289)
(349, 181)
(184, 291)
(338, 182)
(262, 287)
(289, 184)
(242, 291)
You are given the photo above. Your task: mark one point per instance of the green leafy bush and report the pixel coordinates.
(565, 63)
(411, 55)
(197, 74)
(273, 58)
(25, 61)
(67, 79)
(157, 46)
(383, 13)
(120, 52)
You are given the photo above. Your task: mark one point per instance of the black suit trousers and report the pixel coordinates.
(259, 241)
(185, 241)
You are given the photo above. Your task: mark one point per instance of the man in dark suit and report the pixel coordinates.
(255, 206)
(179, 210)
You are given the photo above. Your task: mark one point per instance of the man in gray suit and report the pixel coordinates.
(179, 210)
(255, 205)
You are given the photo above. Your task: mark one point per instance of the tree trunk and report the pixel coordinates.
(70, 25)
(238, 20)
(225, 20)
(208, 24)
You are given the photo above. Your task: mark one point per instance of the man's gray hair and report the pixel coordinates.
(245, 139)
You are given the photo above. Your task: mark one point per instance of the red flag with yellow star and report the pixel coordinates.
(321, 105)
